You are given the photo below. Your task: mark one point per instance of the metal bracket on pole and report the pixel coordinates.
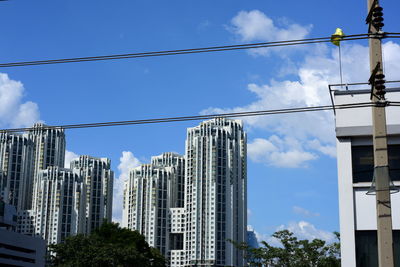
(369, 17)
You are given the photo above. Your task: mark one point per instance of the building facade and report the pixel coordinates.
(16, 157)
(59, 206)
(152, 200)
(49, 149)
(98, 178)
(190, 207)
(357, 210)
(17, 249)
(216, 193)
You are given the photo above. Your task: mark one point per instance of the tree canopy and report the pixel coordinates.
(109, 245)
(293, 252)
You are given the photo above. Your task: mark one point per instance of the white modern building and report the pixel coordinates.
(49, 149)
(53, 202)
(216, 193)
(190, 207)
(358, 222)
(98, 179)
(16, 157)
(59, 206)
(145, 204)
(152, 196)
(49, 146)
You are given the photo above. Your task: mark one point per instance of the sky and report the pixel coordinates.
(292, 177)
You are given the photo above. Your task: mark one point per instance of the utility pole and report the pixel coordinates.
(381, 162)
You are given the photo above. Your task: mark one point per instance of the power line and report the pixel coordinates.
(192, 50)
(197, 117)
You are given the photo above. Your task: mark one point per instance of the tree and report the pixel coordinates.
(293, 252)
(109, 245)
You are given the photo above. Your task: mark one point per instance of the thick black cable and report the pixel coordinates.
(184, 51)
(197, 117)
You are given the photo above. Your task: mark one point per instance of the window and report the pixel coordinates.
(367, 248)
(363, 163)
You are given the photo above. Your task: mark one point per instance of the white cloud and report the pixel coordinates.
(295, 139)
(13, 111)
(256, 26)
(306, 230)
(391, 59)
(301, 230)
(279, 153)
(127, 162)
(69, 156)
(305, 212)
(324, 149)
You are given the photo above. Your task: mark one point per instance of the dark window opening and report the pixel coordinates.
(367, 248)
(363, 163)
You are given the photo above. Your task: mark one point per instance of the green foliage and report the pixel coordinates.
(109, 245)
(293, 252)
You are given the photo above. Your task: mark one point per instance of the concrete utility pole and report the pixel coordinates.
(381, 162)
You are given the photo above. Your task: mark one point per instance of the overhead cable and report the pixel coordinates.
(191, 50)
(197, 117)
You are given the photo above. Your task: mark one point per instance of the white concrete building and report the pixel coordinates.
(59, 206)
(358, 222)
(98, 178)
(49, 149)
(216, 193)
(145, 204)
(189, 209)
(16, 157)
(153, 202)
(49, 146)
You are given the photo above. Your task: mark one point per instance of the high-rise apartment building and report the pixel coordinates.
(59, 206)
(177, 182)
(53, 202)
(216, 193)
(49, 146)
(16, 155)
(98, 178)
(189, 208)
(150, 193)
(49, 149)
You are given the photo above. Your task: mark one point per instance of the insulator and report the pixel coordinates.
(380, 87)
(380, 93)
(379, 76)
(377, 20)
(379, 82)
(377, 17)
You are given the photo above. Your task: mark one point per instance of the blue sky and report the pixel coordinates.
(292, 178)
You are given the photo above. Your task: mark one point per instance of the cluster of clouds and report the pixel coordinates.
(14, 111)
(255, 26)
(301, 229)
(294, 140)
